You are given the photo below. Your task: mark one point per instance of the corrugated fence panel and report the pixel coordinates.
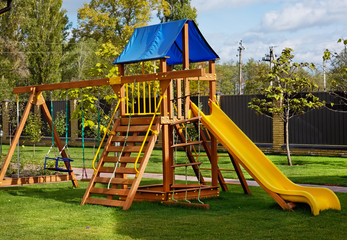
(257, 127)
(321, 127)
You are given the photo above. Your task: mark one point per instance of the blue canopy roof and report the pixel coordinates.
(165, 41)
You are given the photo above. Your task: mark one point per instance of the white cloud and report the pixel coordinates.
(296, 15)
(208, 5)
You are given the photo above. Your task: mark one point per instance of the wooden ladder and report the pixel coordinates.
(122, 189)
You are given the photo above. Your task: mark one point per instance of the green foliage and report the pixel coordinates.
(178, 9)
(33, 127)
(286, 97)
(115, 20)
(227, 78)
(46, 23)
(254, 74)
(60, 122)
(78, 58)
(337, 74)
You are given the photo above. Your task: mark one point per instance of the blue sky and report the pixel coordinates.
(307, 26)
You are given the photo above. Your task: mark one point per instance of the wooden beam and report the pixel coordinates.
(214, 143)
(193, 73)
(17, 135)
(33, 180)
(121, 73)
(65, 85)
(240, 175)
(167, 162)
(185, 50)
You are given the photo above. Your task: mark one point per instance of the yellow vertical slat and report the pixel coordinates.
(133, 103)
(155, 93)
(138, 98)
(144, 96)
(127, 97)
(149, 97)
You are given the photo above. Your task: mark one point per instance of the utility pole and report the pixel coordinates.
(324, 79)
(269, 58)
(240, 49)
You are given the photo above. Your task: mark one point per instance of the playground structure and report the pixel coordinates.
(164, 105)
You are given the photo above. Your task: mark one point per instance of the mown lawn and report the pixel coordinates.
(306, 169)
(52, 211)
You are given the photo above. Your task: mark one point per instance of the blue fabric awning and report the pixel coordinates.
(165, 41)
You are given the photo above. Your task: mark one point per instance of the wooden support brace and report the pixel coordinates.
(17, 135)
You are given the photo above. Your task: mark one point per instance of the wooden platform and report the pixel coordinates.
(156, 193)
(6, 182)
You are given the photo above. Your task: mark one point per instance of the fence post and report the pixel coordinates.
(277, 134)
(5, 117)
(74, 122)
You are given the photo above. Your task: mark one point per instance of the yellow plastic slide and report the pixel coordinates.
(260, 167)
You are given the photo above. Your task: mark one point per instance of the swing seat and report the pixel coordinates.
(56, 166)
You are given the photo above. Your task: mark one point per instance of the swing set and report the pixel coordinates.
(148, 104)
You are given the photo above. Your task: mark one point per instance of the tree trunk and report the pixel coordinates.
(287, 141)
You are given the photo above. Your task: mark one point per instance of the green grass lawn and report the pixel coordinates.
(52, 211)
(306, 169)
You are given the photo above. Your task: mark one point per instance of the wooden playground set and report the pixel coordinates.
(163, 104)
(136, 132)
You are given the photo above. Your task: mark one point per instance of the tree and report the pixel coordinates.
(179, 9)
(33, 128)
(44, 33)
(288, 96)
(13, 64)
(115, 20)
(254, 73)
(338, 72)
(78, 59)
(227, 78)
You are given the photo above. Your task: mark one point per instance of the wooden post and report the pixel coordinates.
(5, 117)
(17, 136)
(121, 73)
(74, 122)
(58, 141)
(179, 98)
(167, 162)
(185, 43)
(214, 143)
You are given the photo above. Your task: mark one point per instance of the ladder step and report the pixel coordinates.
(137, 121)
(120, 181)
(186, 144)
(118, 170)
(126, 149)
(111, 191)
(106, 202)
(122, 159)
(190, 120)
(139, 128)
(185, 186)
(129, 139)
(186, 164)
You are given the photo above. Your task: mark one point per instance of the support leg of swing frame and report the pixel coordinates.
(17, 136)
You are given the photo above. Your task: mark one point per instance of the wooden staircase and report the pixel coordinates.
(122, 190)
